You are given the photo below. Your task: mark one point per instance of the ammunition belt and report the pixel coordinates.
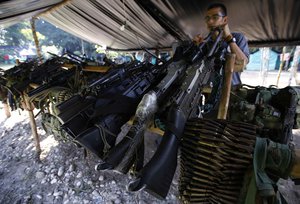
(215, 155)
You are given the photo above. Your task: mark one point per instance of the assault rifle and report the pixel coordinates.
(115, 81)
(94, 121)
(192, 70)
(17, 78)
(59, 78)
(115, 77)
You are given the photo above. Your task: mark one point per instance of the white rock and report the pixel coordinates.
(173, 197)
(78, 184)
(113, 182)
(60, 171)
(65, 197)
(117, 201)
(38, 197)
(113, 196)
(26, 198)
(40, 175)
(101, 178)
(53, 181)
(85, 201)
(101, 185)
(79, 175)
(95, 194)
(58, 193)
(71, 167)
(66, 202)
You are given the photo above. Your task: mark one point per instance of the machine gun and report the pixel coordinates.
(115, 81)
(94, 121)
(115, 76)
(192, 71)
(59, 78)
(52, 73)
(16, 78)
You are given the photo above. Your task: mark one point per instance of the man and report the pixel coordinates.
(216, 17)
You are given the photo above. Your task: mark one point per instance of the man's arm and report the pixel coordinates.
(239, 47)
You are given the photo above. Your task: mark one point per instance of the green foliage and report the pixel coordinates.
(13, 36)
(20, 35)
(62, 39)
(27, 33)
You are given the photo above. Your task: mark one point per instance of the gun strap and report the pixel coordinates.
(102, 132)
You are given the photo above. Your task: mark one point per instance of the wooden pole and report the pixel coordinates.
(6, 109)
(265, 58)
(82, 48)
(295, 66)
(30, 107)
(224, 102)
(281, 65)
(35, 38)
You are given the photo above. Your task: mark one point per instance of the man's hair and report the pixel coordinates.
(218, 5)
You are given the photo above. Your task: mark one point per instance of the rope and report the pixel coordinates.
(102, 132)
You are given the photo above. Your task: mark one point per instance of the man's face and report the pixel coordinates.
(215, 18)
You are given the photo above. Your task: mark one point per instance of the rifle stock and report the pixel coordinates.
(157, 175)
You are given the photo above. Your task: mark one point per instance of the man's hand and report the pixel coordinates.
(226, 31)
(198, 39)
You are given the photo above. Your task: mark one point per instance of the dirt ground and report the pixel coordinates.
(66, 176)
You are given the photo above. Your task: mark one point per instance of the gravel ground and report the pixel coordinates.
(66, 176)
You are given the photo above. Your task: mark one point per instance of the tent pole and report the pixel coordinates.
(265, 56)
(295, 66)
(6, 109)
(30, 107)
(35, 38)
(281, 65)
(82, 47)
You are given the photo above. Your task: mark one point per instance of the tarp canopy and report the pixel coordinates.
(12, 12)
(136, 24)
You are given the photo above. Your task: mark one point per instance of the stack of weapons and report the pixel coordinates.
(215, 155)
